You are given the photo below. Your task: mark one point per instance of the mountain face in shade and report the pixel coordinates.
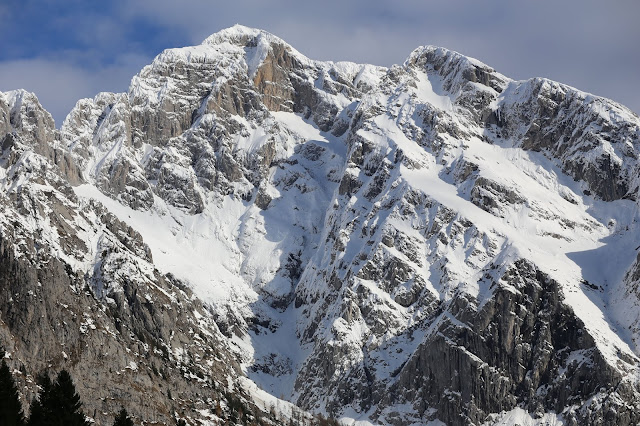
(431, 243)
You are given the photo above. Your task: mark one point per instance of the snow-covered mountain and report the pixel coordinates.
(424, 244)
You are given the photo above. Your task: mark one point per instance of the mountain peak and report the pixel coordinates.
(455, 68)
(438, 51)
(240, 34)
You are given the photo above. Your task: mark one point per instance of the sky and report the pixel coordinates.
(64, 50)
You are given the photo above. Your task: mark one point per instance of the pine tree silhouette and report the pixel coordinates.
(10, 408)
(41, 409)
(36, 414)
(58, 403)
(122, 419)
(66, 405)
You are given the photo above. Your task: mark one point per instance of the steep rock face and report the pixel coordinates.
(78, 290)
(524, 346)
(595, 140)
(24, 119)
(98, 134)
(427, 242)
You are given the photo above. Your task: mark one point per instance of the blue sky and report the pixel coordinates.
(64, 50)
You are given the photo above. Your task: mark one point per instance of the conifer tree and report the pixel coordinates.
(66, 405)
(41, 409)
(36, 414)
(123, 419)
(10, 408)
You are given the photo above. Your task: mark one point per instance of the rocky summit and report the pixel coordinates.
(250, 236)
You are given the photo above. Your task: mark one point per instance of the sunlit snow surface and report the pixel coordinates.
(520, 417)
